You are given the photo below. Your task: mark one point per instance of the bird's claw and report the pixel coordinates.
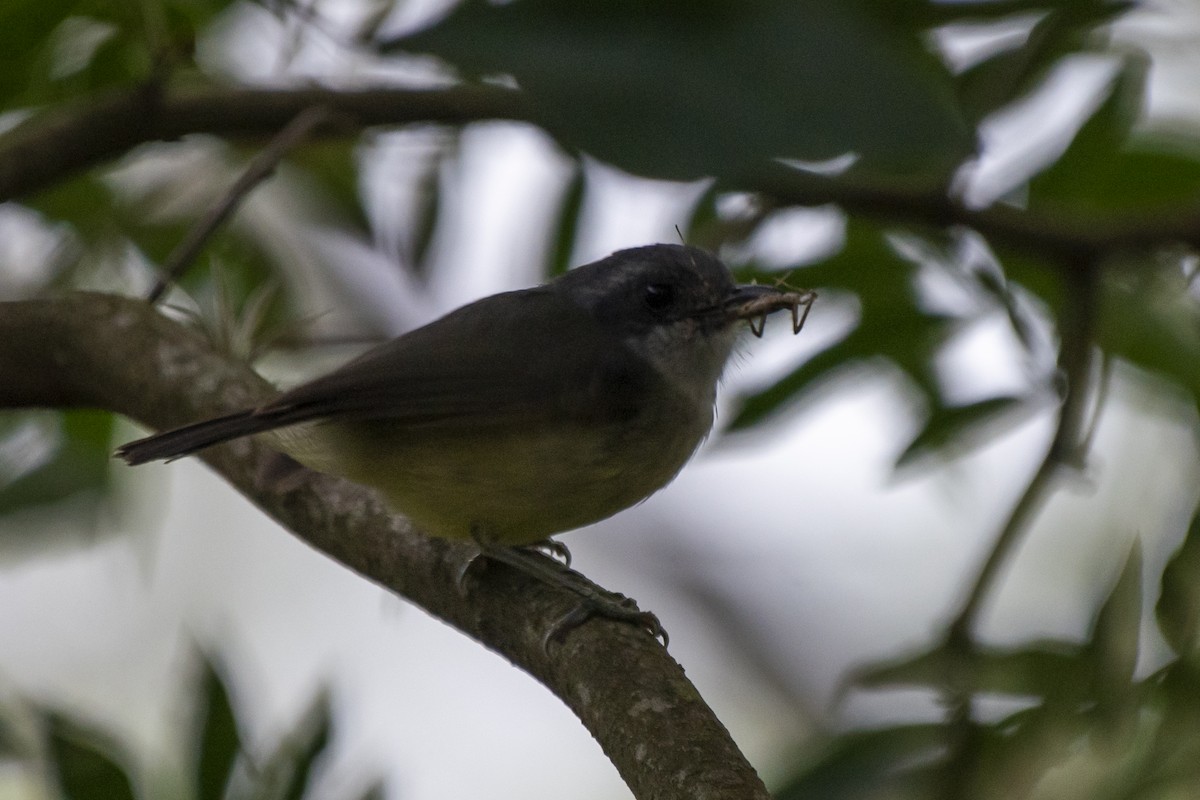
(624, 609)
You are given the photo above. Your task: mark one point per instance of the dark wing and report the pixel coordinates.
(530, 355)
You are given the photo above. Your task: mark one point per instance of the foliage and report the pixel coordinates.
(77, 760)
(717, 92)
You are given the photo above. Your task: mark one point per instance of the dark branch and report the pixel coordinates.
(102, 351)
(54, 145)
(1072, 239)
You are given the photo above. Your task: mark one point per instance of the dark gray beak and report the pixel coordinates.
(753, 303)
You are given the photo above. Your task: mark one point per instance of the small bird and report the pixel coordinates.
(526, 413)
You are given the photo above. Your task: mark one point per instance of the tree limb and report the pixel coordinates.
(114, 353)
(53, 145)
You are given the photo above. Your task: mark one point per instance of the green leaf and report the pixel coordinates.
(1039, 669)
(685, 88)
(570, 208)
(308, 749)
(1018, 751)
(288, 770)
(85, 763)
(79, 462)
(1148, 316)
(25, 28)
(218, 741)
(950, 431)
(85, 203)
(90, 45)
(1107, 169)
(334, 167)
(1178, 606)
(1175, 750)
(1117, 630)
(1008, 75)
(857, 764)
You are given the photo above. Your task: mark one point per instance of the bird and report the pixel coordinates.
(526, 413)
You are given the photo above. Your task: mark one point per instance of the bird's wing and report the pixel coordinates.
(530, 355)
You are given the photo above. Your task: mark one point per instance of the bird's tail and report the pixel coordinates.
(197, 436)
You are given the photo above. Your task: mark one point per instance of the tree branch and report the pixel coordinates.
(103, 351)
(1070, 238)
(56, 144)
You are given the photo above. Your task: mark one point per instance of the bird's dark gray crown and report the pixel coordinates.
(641, 287)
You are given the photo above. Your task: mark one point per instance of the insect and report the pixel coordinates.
(756, 309)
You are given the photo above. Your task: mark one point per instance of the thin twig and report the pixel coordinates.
(261, 167)
(1075, 363)
(1070, 436)
(54, 145)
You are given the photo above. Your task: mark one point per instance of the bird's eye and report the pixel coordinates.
(658, 296)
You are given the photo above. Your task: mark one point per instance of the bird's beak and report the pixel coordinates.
(753, 303)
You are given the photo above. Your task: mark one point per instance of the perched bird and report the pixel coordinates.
(526, 413)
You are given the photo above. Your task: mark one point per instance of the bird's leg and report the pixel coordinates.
(594, 600)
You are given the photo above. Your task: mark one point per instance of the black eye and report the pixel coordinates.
(658, 297)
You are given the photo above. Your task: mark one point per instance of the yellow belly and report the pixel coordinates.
(509, 488)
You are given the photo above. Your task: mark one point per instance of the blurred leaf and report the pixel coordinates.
(1007, 294)
(428, 200)
(85, 203)
(1178, 607)
(950, 430)
(1040, 279)
(928, 14)
(1017, 751)
(1113, 648)
(374, 792)
(1105, 170)
(186, 18)
(1064, 28)
(80, 463)
(1148, 317)
(704, 225)
(218, 741)
(857, 764)
(25, 29)
(92, 45)
(1175, 749)
(669, 88)
(288, 771)
(56, 49)
(567, 227)
(84, 762)
(1040, 669)
(333, 165)
(1117, 628)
